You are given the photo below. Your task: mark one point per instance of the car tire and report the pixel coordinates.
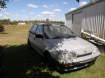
(50, 61)
(47, 56)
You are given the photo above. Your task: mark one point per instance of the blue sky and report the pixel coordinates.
(39, 9)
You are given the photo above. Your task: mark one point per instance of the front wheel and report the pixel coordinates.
(47, 57)
(50, 61)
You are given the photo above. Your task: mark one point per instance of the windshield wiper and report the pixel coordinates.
(57, 37)
(70, 36)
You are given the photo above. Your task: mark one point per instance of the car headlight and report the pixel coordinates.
(96, 51)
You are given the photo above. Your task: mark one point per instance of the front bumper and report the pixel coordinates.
(77, 65)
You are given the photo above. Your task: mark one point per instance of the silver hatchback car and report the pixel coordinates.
(59, 43)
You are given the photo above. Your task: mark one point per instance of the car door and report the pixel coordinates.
(39, 39)
(32, 34)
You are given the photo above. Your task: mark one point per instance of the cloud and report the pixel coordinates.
(32, 6)
(71, 9)
(5, 15)
(65, 3)
(57, 10)
(48, 13)
(39, 15)
(52, 8)
(2, 8)
(48, 6)
(83, 3)
(80, 4)
(0, 15)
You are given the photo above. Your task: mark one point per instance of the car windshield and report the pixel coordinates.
(58, 32)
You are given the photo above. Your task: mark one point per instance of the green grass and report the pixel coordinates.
(21, 62)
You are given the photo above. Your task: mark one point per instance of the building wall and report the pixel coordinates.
(93, 20)
(90, 19)
(69, 21)
(77, 22)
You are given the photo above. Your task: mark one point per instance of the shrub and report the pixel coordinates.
(1, 28)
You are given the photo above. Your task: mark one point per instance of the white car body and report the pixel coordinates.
(65, 51)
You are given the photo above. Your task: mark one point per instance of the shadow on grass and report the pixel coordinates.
(21, 62)
(3, 33)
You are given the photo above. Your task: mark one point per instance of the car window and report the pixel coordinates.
(33, 29)
(39, 30)
(58, 32)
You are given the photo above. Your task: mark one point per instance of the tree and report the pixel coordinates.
(47, 20)
(3, 3)
(78, 0)
(1, 28)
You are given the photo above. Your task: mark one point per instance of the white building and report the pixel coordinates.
(22, 23)
(88, 19)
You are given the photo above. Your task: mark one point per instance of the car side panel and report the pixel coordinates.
(37, 43)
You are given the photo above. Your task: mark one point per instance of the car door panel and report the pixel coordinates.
(32, 33)
(39, 42)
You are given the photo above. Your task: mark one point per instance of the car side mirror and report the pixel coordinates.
(39, 36)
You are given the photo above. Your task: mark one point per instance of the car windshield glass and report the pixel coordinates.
(58, 32)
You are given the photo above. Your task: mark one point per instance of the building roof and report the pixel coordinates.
(87, 5)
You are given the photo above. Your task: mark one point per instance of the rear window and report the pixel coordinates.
(33, 29)
(39, 29)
